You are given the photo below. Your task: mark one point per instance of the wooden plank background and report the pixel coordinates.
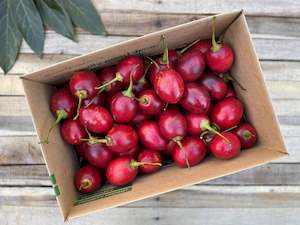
(269, 194)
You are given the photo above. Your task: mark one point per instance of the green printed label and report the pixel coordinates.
(102, 193)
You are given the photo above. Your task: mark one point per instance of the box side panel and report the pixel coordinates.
(59, 157)
(148, 44)
(173, 178)
(256, 100)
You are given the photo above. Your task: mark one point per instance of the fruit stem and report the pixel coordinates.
(204, 125)
(177, 140)
(188, 47)
(85, 184)
(81, 95)
(93, 140)
(143, 78)
(215, 46)
(153, 61)
(134, 163)
(228, 77)
(118, 77)
(165, 58)
(129, 92)
(60, 115)
(231, 128)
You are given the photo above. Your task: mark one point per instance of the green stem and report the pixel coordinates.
(93, 140)
(206, 126)
(93, 99)
(152, 61)
(165, 58)
(129, 92)
(118, 77)
(177, 140)
(81, 95)
(228, 77)
(60, 115)
(215, 46)
(188, 47)
(231, 128)
(134, 163)
(143, 78)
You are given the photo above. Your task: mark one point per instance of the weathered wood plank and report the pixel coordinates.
(197, 196)
(281, 8)
(270, 174)
(56, 44)
(157, 216)
(139, 23)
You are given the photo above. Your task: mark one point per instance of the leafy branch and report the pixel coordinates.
(25, 19)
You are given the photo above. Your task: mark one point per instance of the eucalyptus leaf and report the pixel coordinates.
(55, 17)
(30, 24)
(10, 37)
(84, 15)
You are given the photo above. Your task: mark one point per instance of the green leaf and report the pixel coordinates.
(84, 15)
(30, 24)
(55, 17)
(10, 37)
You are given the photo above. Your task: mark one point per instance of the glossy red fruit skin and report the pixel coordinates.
(72, 131)
(230, 93)
(96, 119)
(169, 85)
(131, 153)
(227, 113)
(90, 173)
(172, 124)
(216, 86)
(141, 85)
(107, 74)
(149, 156)
(62, 99)
(169, 150)
(247, 135)
(80, 149)
(173, 56)
(191, 65)
(98, 100)
(151, 136)
(126, 65)
(196, 98)
(153, 70)
(193, 149)
(123, 108)
(97, 154)
(150, 103)
(122, 139)
(221, 60)
(84, 81)
(120, 172)
(224, 150)
(202, 46)
(193, 121)
(139, 118)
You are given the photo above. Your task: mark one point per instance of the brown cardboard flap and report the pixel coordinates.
(59, 157)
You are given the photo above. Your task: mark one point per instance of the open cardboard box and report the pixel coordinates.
(61, 160)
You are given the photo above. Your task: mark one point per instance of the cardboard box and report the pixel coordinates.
(60, 157)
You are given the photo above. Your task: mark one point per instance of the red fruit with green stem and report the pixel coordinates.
(139, 118)
(220, 56)
(151, 136)
(149, 156)
(72, 131)
(106, 75)
(195, 99)
(216, 86)
(97, 154)
(87, 179)
(193, 149)
(131, 153)
(96, 119)
(98, 100)
(63, 105)
(150, 103)
(124, 106)
(82, 85)
(191, 65)
(119, 139)
(225, 149)
(122, 171)
(247, 135)
(142, 84)
(227, 113)
(202, 46)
